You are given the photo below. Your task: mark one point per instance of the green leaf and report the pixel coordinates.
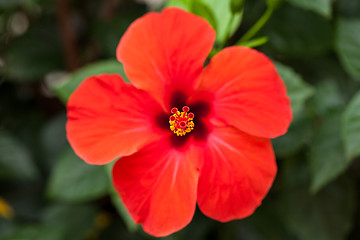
(15, 159)
(203, 10)
(184, 4)
(64, 88)
(327, 157)
(348, 45)
(314, 36)
(327, 160)
(322, 7)
(327, 98)
(117, 202)
(74, 180)
(298, 134)
(351, 128)
(222, 13)
(327, 215)
(300, 129)
(298, 90)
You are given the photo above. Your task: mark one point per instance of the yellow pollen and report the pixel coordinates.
(181, 123)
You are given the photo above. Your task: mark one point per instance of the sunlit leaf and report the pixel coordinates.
(202, 10)
(222, 13)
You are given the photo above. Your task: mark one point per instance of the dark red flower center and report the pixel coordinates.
(181, 123)
(200, 108)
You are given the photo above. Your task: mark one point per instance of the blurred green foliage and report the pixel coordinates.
(54, 195)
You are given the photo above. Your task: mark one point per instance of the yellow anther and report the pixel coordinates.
(181, 122)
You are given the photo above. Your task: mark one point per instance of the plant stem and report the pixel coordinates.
(255, 42)
(257, 26)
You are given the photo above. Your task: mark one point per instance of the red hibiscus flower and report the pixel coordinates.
(187, 134)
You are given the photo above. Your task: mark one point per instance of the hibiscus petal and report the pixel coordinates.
(248, 92)
(165, 52)
(158, 186)
(108, 118)
(237, 173)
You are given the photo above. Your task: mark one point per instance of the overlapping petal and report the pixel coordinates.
(248, 92)
(108, 118)
(165, 52)
(158, 186)
(237, 173)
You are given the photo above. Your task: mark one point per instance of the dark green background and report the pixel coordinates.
(55, 195)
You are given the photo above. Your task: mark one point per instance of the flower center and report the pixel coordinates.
(181, 122)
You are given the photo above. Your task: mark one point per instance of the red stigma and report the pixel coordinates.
(185, 109)
(181, 122)
(174, 110)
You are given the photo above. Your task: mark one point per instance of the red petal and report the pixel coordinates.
(238, 171)
(108, 118)
(248, 92)
(164, 52)
(158, 186)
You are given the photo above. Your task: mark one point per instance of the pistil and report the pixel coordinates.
(181, 123)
